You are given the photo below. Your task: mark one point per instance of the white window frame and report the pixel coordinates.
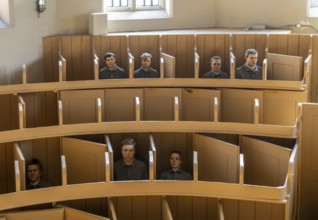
(132, 6)
(312, 8)
(165, 10)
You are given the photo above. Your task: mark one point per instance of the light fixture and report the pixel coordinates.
(40, 6)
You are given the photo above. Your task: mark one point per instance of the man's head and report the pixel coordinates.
(34, 171)
(145, 60)
(110, 60)
(128, 150)
(251, 57)
(216, 64)
(175, 160)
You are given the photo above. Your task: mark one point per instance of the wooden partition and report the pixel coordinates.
(9, 112)
(266, 163)
(308, 181)
(181, 47)
(41, 109)
(47, 151)
(20, 162)
(159, 105)
(238, 105)
(187, 208)
(7, 184)
(85, 163)
(58, 213)
(169, 66)
(199, 104)
(280, 107)
(284, 67)
(241, 42)
(138, 207)
(121, 104)
(209, 45)
(116, 44)
(167, 142)
(250, 210)
(222, 159)
(81, 106)
(49, 214)
(139, 44)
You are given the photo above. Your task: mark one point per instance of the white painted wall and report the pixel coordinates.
(23, 43)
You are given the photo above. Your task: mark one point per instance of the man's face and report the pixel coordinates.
(110, 62)
(145, 63)
(251, 60)
(34, 173)
(175, 161)
(216, 65)
(128, 153)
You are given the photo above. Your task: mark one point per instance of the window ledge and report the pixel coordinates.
(138, 15)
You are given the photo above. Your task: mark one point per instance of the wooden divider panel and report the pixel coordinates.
(138, 207)
(7, 183)
(222, 159)
(280, 107)
(283, 67)
(139, 44)
(265, 163)
(238, 105)
(249, 210)
(242, 42)
(167, 142)
(51, 58)
(41, 109)
(120, 104)
(80, 106)
(116, 44)
(85, 161)
(9, 112)
(78, 52)
(181, 47)
(48, 214)
(291, 44)
(188, 208)
(72, 214)
(159, 103)
(308, 182)
(209, 45)
(198, 104)
(48, 152)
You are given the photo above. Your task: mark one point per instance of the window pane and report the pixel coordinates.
(116, 3)
(140, 2)
(124, 3)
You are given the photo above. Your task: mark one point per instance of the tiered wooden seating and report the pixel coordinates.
(226, 125)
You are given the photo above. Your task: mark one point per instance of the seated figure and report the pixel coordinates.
(215, 72)
(111, 70)
(249, 70)
(129, 168)
(145, 71)
(175, 173)
(34, 172)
